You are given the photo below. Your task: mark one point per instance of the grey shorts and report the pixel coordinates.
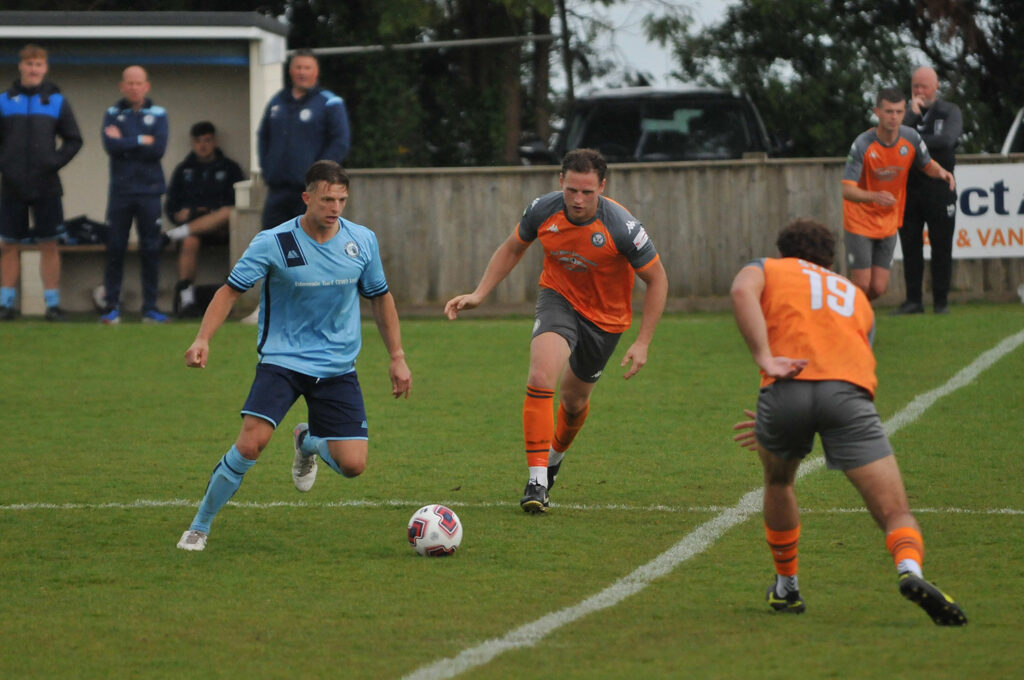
(863, 252)
(790, 412)
(591, 347)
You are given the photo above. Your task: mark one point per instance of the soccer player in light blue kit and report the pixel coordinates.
(313, 268)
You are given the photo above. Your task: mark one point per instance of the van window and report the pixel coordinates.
(664, 129)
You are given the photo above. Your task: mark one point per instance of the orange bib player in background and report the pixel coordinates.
(875, 191)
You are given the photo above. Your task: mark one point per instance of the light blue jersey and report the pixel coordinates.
(309, 305)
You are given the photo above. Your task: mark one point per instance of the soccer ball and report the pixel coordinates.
(435, 531)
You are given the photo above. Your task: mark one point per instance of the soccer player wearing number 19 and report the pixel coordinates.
(810, 331)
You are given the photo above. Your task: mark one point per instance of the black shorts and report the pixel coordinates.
(47, 218)
(791, 412)
(591, 347)
(335, 404)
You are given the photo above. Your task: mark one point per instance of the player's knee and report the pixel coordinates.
(574, 405)
(249, 450)
(351, 468)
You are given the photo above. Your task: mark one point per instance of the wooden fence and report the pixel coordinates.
(437, 227)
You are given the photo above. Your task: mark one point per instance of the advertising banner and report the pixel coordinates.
(989, 212)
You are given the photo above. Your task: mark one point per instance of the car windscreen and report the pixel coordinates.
(665, 129)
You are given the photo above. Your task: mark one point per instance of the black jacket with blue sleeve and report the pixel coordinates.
(31, 121)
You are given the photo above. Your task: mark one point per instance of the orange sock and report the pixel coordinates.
(538, 427)
(783, 547)
(566, 427)
(905, 543)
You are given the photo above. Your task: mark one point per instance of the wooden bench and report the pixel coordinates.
(82, 269)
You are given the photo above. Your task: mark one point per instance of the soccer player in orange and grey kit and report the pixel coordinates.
(875, 190)
(593, 250)
(810, 332)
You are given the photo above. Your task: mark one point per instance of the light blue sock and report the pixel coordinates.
(318, 445)
(52, 297)
(224, 482)
(7, 296)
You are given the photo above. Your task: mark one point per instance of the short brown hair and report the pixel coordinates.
(809, 240)
(584, 161)
(32, 51)
(325, 171)
(893, 95)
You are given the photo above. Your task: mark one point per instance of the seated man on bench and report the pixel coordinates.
(199, 202)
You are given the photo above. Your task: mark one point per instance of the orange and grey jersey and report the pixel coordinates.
(591, 265)
(815, 314)
(873, 166)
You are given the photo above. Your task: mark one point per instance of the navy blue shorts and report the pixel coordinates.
(47, 214)
(335, 405)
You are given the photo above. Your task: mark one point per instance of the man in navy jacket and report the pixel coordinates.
(199, 201)
(33, 115)
(135, 138)
(302, 124)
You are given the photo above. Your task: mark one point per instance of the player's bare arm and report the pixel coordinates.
(216, 313)
(503, 261)
(656, 281)
(386, 316)
(746, 304)
(936, 171)
(852, 192)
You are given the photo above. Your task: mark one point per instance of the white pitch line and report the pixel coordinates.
(691, 545)
(143, 504)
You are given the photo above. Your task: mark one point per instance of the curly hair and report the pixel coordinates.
(809, 240)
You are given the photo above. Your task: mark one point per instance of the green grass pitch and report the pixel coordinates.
(107, 442)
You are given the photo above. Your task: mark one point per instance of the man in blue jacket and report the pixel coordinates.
(135, 138)
(33, 115)
(302, 124)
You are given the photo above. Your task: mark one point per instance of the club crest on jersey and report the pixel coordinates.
(351, 249)
(904, 149)
(149, 119)
(305, 115)
(597, 239)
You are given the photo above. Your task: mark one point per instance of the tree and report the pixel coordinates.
(813, 67)
(451, 106)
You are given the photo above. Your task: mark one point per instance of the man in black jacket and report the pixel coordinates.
(199, 202)
(33, 115)
(929, 200)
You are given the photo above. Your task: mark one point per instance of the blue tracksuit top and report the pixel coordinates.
(135, 167)
(295, 133)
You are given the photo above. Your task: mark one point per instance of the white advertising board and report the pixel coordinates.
(989, 212)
